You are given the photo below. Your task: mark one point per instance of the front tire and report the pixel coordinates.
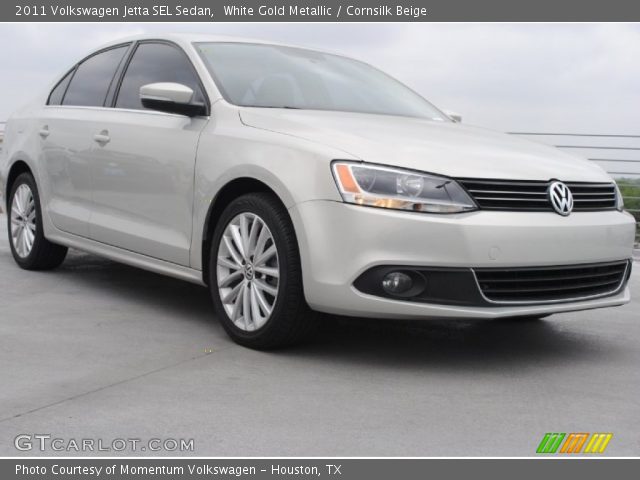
(255, 276)
(30, 249)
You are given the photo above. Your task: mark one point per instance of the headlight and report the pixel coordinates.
(619, 200)
(387, 187)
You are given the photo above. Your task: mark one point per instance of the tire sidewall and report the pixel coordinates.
(28, 261)
(267, 214)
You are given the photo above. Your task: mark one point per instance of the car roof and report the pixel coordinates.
(186, 39)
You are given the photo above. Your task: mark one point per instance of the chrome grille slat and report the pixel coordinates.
(603, 195)
(523, 195)
(507, 192)
(588, 185)
(505, 182)
(513, 199)
(591, 199)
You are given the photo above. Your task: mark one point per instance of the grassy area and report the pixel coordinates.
(630, 189)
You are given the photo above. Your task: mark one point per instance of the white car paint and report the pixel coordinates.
(451, 149)
(143, 196)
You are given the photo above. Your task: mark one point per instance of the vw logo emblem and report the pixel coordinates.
(561, 198)
(248, 271)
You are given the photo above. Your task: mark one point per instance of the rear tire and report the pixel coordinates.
(255, 275)
(30, 249)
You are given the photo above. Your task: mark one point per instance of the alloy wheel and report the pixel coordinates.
(23, 221)
(248, 271)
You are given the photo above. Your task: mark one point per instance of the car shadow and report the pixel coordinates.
(442, 344)
(455, 344)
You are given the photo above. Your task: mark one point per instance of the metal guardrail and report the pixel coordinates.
(623, 164)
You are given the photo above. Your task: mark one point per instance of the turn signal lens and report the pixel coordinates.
(346, 179)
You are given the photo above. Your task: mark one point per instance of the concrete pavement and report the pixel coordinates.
(104, 351)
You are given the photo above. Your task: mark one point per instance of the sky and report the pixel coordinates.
(578, 78)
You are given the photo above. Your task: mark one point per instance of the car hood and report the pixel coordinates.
(445, 148)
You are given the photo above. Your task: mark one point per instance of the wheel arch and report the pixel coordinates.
(229, 192)
(17, 168)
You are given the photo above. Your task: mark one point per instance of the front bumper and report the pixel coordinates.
(338, 242)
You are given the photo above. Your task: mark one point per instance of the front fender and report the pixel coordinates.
(297, 170)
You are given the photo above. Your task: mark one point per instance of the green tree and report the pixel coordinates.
(630, 189)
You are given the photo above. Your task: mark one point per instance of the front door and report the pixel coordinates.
(143, 162)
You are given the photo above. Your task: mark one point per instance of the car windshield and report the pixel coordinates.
(255, 75)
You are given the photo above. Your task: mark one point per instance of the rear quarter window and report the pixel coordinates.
(57, 94)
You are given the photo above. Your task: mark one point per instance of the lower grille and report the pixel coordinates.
(551, 284)
(525, 195)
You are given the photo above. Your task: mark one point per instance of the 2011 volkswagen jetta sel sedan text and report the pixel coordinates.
(291, 181)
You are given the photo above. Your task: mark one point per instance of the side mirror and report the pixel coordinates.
(456, 117)
(170, 98)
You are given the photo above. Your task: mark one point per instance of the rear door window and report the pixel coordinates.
(90, 84)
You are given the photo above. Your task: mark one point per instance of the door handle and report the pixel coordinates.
(102, 138)
(44, 131)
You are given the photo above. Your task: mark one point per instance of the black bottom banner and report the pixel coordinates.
(332, 468)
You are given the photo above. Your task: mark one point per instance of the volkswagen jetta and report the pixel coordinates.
(291, 181)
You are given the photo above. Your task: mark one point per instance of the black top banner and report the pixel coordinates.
(319, 11)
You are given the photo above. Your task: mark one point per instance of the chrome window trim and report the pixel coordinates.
(125, 110)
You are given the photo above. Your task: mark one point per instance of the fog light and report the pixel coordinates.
(397, 283)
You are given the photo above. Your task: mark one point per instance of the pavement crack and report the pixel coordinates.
(115, 384)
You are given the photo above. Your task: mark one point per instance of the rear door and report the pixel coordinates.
(66, 130)
(143, 165)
